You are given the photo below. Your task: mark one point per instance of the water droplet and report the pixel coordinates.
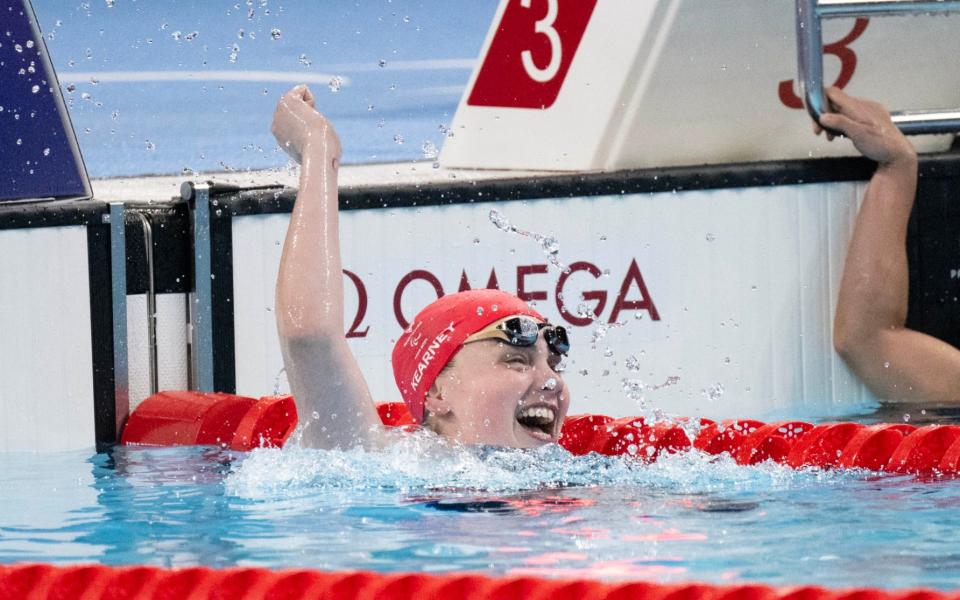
(550, 384)
(500, 221)
(240, 34)
(176, 35)
(35, 89)
(608, 352)
(335, 84)
(29, 43)
(398, 139)
(633, 388)
(234, 53)
(713, 393)
(430, 150)
(315, 415)
(303, 60)
(632, 363)
(115, 115)
(46, 151)
(18, 48)
(71, 88)
(19, 141)
(406, 19)
(476, 241)
(710, 237)
(191, 36)
(150, 145)
(110, 3)
(381, 63)
(886, 365)
(275, 34)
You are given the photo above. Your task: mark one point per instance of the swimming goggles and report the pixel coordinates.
(523, 331)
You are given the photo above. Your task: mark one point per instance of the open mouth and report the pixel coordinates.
(538, 421)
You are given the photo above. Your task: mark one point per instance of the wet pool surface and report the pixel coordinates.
(425, 507)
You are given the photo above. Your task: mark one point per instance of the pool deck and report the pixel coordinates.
(160, 188)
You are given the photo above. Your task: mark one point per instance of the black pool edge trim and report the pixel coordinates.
(101, 333)
(276, 199)
(221, 288)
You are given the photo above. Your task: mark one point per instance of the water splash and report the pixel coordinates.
(549, 244)
(421, 462)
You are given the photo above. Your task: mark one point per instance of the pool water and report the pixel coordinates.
(421, 505)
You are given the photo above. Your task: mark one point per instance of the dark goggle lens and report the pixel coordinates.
(557, 340)
(524, 332)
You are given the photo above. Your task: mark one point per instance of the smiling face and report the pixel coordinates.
(498, 394)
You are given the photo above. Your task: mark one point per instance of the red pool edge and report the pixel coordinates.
(98, 582)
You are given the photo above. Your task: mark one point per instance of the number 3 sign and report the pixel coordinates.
(531, 52)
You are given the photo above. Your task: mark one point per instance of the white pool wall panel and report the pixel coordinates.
(46, 400)
(744, 281)
(172, 334)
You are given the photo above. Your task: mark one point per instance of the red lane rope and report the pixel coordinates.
(98, 582)
(241, 423)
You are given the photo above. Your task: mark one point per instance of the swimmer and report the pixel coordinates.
(895, 362)
(476, 367)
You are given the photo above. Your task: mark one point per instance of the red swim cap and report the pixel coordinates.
(438, 333)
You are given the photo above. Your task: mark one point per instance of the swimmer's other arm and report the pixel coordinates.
(896, 363)
(332, 397)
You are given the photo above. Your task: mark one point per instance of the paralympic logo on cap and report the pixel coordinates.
(430, 354)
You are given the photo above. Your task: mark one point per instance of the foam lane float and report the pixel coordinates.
(91, 582)
(241, 423)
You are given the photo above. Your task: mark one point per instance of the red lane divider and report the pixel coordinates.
(823, 445)
(180, 418)
(922, 450)
(97, 582)
(240, 423)
(724, 437)
(770, 442)
(871, 447)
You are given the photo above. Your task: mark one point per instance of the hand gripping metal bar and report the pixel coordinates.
(810, 13)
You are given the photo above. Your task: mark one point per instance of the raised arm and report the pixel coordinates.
(331, 394)
(896, 363)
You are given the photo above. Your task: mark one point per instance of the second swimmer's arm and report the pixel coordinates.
(331, 394)
(896, 363)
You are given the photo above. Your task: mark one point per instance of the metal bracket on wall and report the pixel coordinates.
(200, 307)
(151, 302)
(118, 275)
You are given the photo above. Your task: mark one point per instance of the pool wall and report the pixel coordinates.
(720, 289)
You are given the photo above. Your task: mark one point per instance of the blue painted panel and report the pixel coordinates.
(38, 151)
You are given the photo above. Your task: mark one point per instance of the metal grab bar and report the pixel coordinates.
(810, 55)
(151, 303)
